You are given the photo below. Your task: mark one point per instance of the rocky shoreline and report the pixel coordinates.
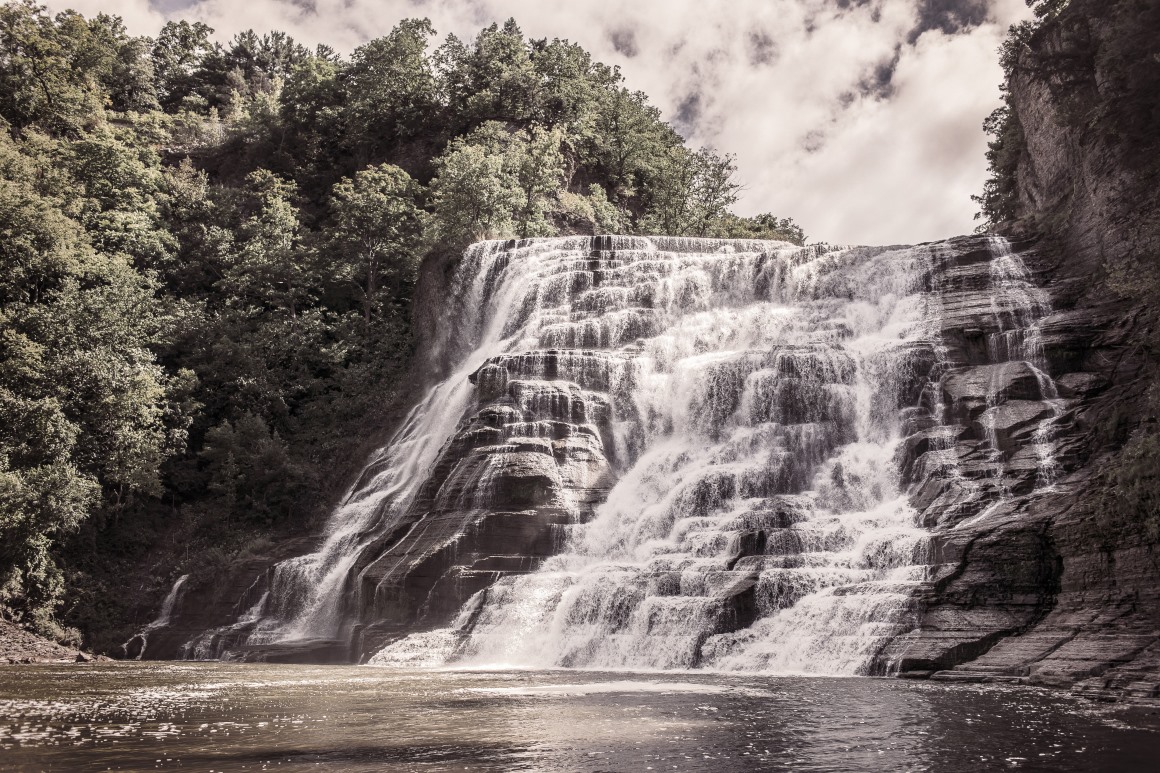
(21, 647)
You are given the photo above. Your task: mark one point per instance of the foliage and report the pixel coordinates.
(690, 193)
(377, 236)
(763, 226)
(84, 418)
(209, 253)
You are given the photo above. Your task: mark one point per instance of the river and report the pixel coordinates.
(226, 717)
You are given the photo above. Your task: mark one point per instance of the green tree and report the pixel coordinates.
(270, 268)
(129, 79)
(503, 82)
(537, 164)
(763, 226)
(570, 85)
(114, 195)
(253, 473)
(691, 194)
(177, 55)
(629, 143)
(84, 401)
(51, 69)
(312, 107)
(473, 195)
(391, 90)
(378, 235)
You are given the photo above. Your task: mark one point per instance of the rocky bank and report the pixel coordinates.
(20, 646)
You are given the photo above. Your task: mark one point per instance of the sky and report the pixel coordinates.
(860, 119)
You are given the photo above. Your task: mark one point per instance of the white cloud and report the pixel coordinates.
(839, 117)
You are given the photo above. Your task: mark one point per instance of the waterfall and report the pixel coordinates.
(136, 645)
(1018, 307)
(678, 453)
(307, 594)
(758, 521)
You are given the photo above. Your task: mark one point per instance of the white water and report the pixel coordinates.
(755, 389)
(170, 601)
(758, 521)
(1019, 307)
(306, 597)
(163, 617)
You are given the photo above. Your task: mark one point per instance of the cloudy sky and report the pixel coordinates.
(861, 119)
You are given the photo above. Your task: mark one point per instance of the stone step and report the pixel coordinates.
(975, 677)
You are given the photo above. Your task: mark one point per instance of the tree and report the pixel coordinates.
(570, 84)
(691, 194)
(50, 69)
(85, 405)
(537, 165)
(129, 81)
(378, 235)
(999, 201)
(269, 268)
(495, 182)
(472, 195)
(114, 194)
(312, 114)
(502, 79)
(391, 90)
(178, 53)
(763, 226)
(628, 143)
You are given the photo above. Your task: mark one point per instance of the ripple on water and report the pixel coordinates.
(252, 717)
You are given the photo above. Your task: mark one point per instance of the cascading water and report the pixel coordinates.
(135, 647)
(758, 521)
(1019, 307)
(306, 596)
(675, 453)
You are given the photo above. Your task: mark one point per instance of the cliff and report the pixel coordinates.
(1060, 587)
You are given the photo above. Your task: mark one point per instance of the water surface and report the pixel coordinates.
(220, 716)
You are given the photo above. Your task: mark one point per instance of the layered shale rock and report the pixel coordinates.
(1032, 581)
(751, 388)
(1053, 587)
(763, 457)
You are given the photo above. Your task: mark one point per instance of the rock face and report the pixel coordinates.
(18, 646)
(529, 460)
(1030, 582)
(1050, 587)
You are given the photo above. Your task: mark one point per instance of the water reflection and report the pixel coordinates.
(254, 717)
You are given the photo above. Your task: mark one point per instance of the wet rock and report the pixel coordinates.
(546, 432)
(19, 646)
(1081, 384)
(1008, 426)
(739, 604)
(971, 391)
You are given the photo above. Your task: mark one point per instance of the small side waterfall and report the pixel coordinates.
(1021, 398)
(136, 646)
